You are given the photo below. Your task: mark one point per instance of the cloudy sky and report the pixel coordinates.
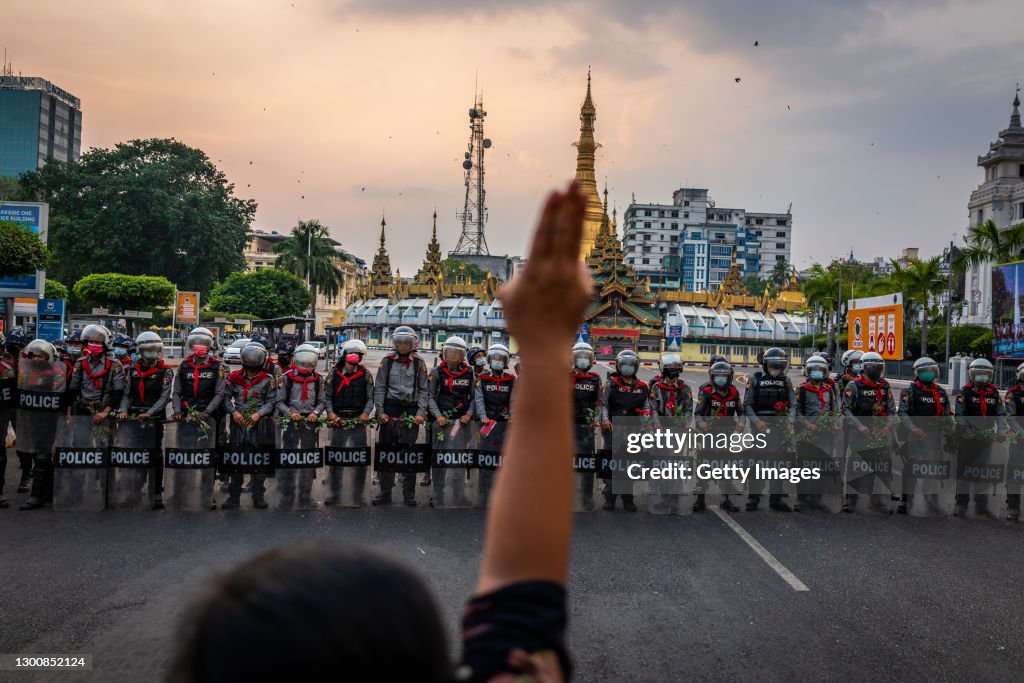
(867, 116)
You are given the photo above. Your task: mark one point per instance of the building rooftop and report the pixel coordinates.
(9, 82)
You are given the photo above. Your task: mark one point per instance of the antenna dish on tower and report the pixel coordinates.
(474, 210)
(487, 143)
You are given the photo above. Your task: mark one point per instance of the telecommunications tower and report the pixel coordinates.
(472, 241)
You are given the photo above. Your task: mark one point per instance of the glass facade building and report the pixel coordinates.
(38, 120)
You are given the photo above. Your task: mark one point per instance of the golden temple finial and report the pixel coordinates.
(586, 149)
(380, 272)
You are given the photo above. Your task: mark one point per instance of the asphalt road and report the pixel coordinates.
(652, 598)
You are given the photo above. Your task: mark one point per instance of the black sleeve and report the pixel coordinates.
(529, 616)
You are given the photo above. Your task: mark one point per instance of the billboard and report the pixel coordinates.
(33, 216)
(186, 308)
(876, 324)
(1007, 287)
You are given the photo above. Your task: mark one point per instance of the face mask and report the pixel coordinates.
(497, 365)
(857, 367)
(927, 377)
(720, 381)
(353, 358)
(671, 374)
(582, 363)
(981, 379)
(94, 349)
(874, 372)
(75, 350)
(627, 370)
(135, 357)
(774, 372)
(304, 371)
(120, 353)
(200, 350)
(817, 374)
(150, 355)
(480, 362)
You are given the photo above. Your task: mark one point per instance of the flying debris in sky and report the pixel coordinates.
(756, 43)
(737, 79)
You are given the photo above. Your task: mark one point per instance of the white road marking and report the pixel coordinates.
(769, 559)
(421, 550)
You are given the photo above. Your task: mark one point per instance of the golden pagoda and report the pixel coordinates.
(380, 273)
(595, 213)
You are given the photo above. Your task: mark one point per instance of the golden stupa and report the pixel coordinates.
(595, 214)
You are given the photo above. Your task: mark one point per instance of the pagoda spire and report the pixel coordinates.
(586, 149)
(432, 268)
(380, 273)
(1015, 116)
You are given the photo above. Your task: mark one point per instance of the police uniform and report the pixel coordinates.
(8, 404)
(671, 399)
(715, 404)
(400, 388)
(814, 402)
(586, 401)
(865, 398)
(302, 393)
(452, 395)
(921, 400)
(148, 390)
(256, 395)
(768, 396)
(494, 396)
(976, 409)
(349, 395)
(623, 399)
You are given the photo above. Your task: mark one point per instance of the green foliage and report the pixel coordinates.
(121, 292)
(266, 293)
(962, 338)
(817, 342)
(9, 188)
(21, 251)
(454, 268)
(55, 290)
(309, 254)
(983, 343)
(151, 207)
(920, 282)
(986, 243)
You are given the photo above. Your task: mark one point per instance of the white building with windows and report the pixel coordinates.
(689, 243)
(999, 198)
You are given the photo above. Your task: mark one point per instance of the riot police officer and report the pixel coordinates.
(867, 396)
(39, 373)
(769, 393)
(452, 389)
(349, 390)
(201, 380)
(815, 397)
(148, 385)
(924, 398)
(625, 395)
(122, 345)
(1013, 405)
(978, 409)
(8, 404)
(586, 412)
(401, 388)
(285, 351)
(250, 399)
(477, 359)
(13, 345)
(718, 398)
(494, 395)
(852, 366)
(97, 384)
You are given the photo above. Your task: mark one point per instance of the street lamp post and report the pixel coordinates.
(949, 298)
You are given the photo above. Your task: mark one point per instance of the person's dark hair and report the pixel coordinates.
(314, 611)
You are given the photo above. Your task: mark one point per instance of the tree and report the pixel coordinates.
(265, 293)
(986, 243)
(150, 207)
(780, 274)
(823, 294)
(121, 292)
(9, 188)
(55, 290)
(455, 268)
(21, 251)
(310, 255)
(920, 281)
(755, 286)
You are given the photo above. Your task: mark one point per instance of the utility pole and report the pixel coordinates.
(949, 299)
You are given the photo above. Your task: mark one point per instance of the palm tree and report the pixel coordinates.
(986, 243)
(309, 255)
(779, 276)
(919, 281)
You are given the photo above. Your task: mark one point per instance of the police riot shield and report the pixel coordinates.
(928, 481)
(1014, 468)
(719, 477)
(81, 453)
(490, 441)
(299, 458)
(454, 474)
(982, 459)
(41, 389)
(190, 461)
(135, 474)
(770, 461)
(587, 443)
(401, 454)
(348, 455)
(818, 445)
(248, 461)
(669, 484)
(873, 467)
